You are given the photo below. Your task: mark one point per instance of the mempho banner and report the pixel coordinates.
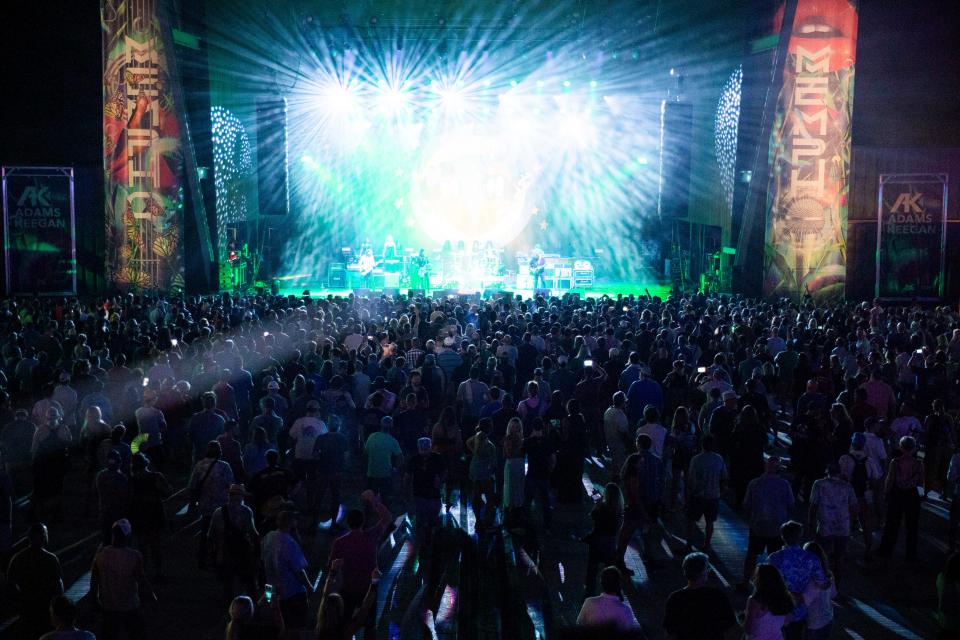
(141, 151)
(805, 251)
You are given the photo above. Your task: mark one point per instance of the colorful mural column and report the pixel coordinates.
(141, 151)
(810, 147)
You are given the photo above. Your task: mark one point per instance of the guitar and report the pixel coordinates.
(367, 264)
(537, 266)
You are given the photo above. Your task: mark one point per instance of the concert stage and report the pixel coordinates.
(612, 289)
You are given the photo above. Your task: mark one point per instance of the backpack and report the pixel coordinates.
(858, 477)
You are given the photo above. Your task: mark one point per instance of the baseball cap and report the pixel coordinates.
(124, 525)
(858, 440)
(729, 395)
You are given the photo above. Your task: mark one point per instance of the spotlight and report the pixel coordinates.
(341, 99)
(576, 128)
(452, 100)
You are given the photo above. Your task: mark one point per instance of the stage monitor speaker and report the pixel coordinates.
(272, 166)
(416, 293)
(676, 140)
(337, 275)
(362, 293)
(542, 292)
(391, 291)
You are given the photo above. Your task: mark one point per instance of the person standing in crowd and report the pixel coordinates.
(833, 505)
(643, 492)
(50, 461)
(235, 540)
(819, 599)
(330, 450)
(513, 472)
(616, 433)
(151, 425)
(63, 616)
(541, 461)
(770, 608)
(609, 610)
(118, 583)
(209, 482)
(113, 494)
(483, 472)
(255, 452)
(424, 473)
(358, 550)
(800, 570)
(940, 441)
(232, 449)
(269, 421)
(304, 433)
(705, 479)
(723, 420)
(148, 517)
(285, 568)
(35, 577)
(904, 479)
(699, 611)
(864, 474)
(383, 456)
(768, 503)
(205, 426)
(747, 444)
(607, 517)
(652, 427)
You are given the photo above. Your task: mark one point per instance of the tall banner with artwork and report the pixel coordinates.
(141, 151)
(39, 230)
(805, 250)
(911, 236)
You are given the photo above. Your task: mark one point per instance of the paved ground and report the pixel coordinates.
(486, 584)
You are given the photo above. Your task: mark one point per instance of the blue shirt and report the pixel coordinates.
(204, 427)
(641, 393)
(798, 568)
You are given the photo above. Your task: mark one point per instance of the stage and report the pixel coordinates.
(611, 288)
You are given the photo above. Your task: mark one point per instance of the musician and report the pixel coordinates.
(366, 264)
(420, 278)
(389, 248)
(538, 264)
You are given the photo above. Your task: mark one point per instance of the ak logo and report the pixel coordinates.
(909, 202)
(37, 195)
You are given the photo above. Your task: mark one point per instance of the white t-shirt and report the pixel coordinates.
(606, 609)
(305, 431)
(658, 434)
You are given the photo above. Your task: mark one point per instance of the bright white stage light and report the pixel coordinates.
(341, 99)
(576, 128)
(452, 100)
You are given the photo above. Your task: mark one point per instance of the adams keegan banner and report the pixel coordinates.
(141, 151)
(911, 228)
(805, 250)
(38, 229)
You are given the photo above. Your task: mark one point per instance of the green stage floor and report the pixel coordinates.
(661, 289)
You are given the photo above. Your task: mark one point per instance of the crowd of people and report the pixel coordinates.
(275, 409)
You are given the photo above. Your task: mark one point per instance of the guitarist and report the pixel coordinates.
(366, 264)
(538, 264)
(421, 272)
